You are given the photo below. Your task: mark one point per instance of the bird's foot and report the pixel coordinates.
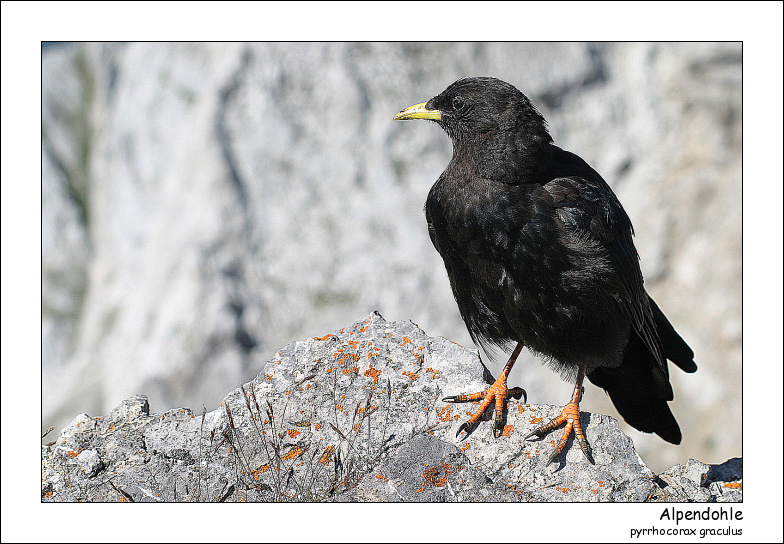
(498, 392)
(570, 415)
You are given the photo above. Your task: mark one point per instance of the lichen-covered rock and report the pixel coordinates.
(355, 415)
(698, 482)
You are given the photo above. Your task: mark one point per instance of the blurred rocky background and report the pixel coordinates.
(206, 204)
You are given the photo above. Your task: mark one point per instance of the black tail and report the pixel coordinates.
(640, 387)
(675, 348)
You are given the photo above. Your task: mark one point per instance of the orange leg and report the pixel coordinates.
(497, 391)
(571, 416)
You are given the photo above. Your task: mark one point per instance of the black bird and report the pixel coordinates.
(539, 254)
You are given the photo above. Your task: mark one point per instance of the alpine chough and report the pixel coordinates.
(539, 254)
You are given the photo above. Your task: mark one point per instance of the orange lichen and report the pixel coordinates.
(326, 457)
(295, 452)
(406, 340)
(357, 426)
(373, 373)
(318, 426)
(411, 375)
(257, 473)
(293, 433)
(437, 476)
(735, 485)
(445, 413)
(268, 376)
(339, 407)
(380, 476)
(327, 337)
(508, 430)
(465, 446)
(434, 477)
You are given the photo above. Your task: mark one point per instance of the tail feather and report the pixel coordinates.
(675, 348)
(640, 391)
(640, 386)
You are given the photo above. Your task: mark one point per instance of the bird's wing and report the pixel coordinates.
(589, 209)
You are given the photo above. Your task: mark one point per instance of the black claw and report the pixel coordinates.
(588, 454)
(498, 424)
(518, 392)
(450, 399)
(553, 457)
(497, 431)
(464, 427)
(532, 434)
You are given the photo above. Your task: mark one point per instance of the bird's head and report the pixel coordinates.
(490, 116)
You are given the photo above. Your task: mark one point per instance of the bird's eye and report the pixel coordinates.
(457, 103)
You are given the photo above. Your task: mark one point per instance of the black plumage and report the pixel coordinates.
(539, 253)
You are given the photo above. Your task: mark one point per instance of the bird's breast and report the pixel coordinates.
(510, 272)
(472, 218)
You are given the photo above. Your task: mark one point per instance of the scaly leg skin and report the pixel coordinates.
(571, 416)
(497, 391)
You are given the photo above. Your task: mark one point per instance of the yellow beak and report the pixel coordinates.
(418, 111)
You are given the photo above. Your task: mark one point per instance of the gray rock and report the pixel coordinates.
(352, 416)
(699, 482)
(90, 462)
(427, 469)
